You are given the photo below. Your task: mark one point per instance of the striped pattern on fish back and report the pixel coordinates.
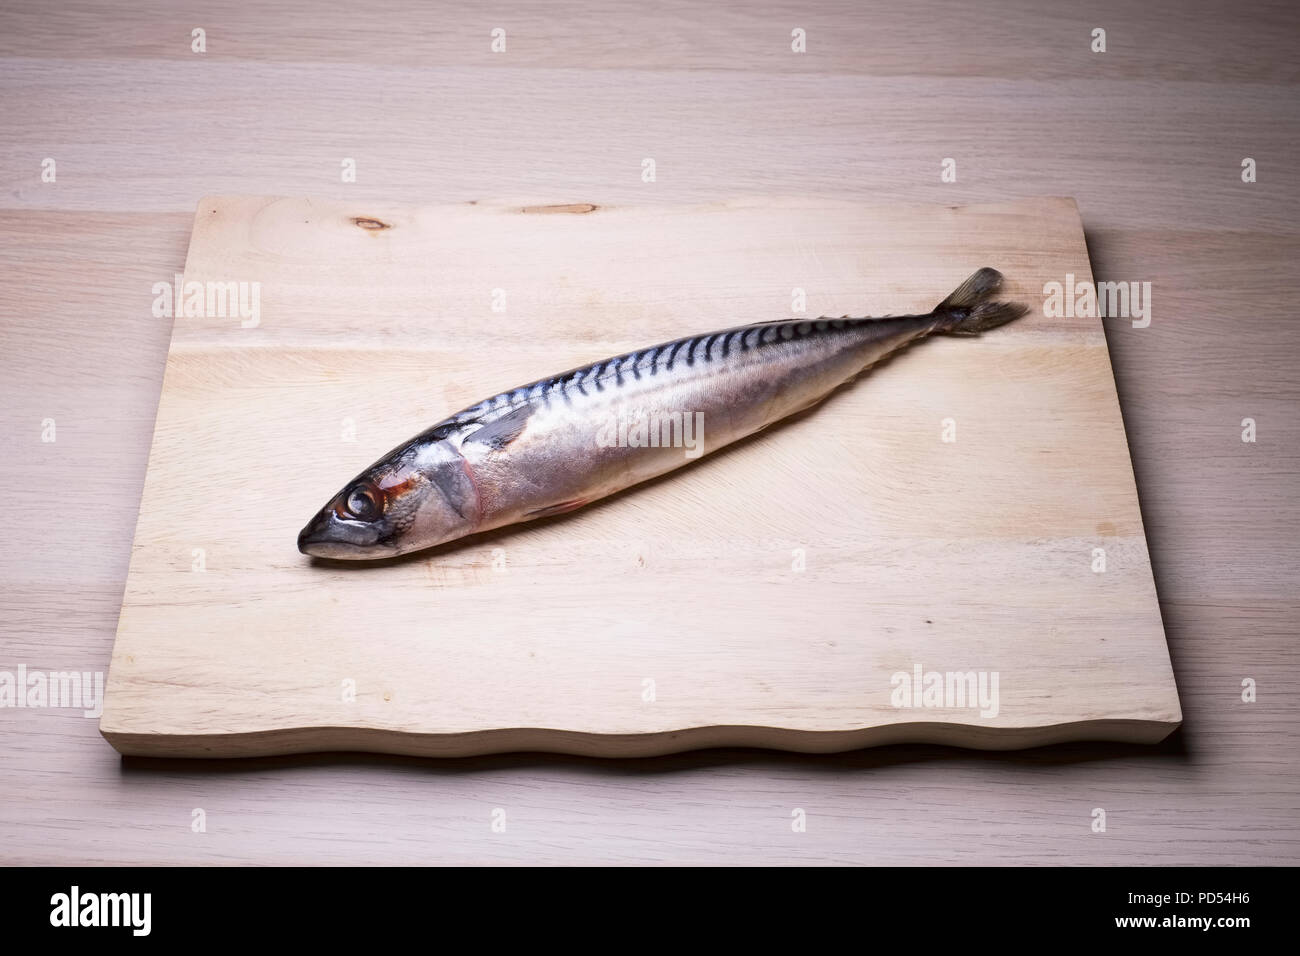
(667, 358)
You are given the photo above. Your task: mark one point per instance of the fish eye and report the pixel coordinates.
(361, 502)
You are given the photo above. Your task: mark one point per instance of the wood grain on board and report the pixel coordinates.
(945, 514)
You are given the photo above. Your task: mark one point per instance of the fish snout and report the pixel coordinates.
(329, 536)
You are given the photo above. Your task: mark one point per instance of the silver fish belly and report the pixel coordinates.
(561, 442)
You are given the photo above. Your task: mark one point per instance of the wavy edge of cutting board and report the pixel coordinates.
(306, 740)
(284, 741)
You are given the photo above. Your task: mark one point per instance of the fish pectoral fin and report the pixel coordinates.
(558, 509)
(505, 429)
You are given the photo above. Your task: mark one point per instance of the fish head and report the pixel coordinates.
(415, 498)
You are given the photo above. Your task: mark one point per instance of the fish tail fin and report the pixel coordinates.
(968, 312)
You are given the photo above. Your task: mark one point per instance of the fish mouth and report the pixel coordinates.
(329, 536)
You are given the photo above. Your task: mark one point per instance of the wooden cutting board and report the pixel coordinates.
(832, 583)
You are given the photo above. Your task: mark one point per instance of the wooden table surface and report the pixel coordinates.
(1149, 136)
